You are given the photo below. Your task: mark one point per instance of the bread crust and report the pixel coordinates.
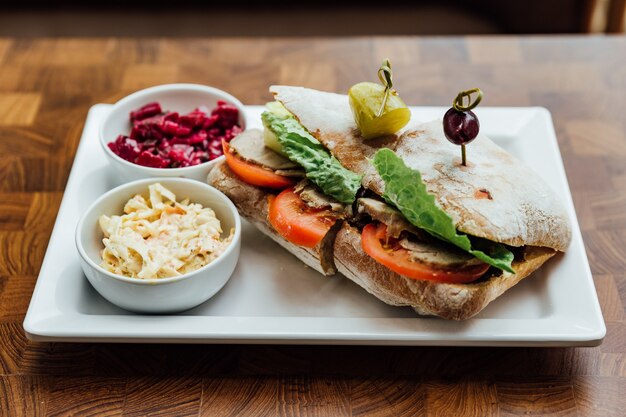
(251, 202)
(450, 301)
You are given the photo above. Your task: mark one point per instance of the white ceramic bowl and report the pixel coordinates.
(163, 295)
(182, 98)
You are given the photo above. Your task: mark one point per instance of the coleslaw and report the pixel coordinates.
(159, 237)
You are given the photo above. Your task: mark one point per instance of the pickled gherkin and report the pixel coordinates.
(366, 99)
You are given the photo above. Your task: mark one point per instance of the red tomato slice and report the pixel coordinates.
(254, 174)
(297, 222)
(397, 259)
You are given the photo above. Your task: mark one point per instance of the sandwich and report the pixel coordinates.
(397, 213)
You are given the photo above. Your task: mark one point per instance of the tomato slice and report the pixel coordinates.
(254, 174)
(297, 222)
(398, 260)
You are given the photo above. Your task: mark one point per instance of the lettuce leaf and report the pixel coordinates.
(321, 168)
(405, 189)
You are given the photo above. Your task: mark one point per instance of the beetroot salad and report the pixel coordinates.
(161, 139)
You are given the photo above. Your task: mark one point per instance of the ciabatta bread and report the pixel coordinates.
(341, 250)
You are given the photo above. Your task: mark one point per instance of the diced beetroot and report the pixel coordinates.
(150, 143)
(215, 150)
(232, 132)
(169, 140)
(153, 121)
(198, 117)
(156, 133)
(147, 159)
(214, 133)
(210, 121)
(180, 153)
(125, 147)
(183, 131)
(146, 111)
(198, 137)
(227, 113)
(171, 116)
(186, 121)
(164, 144)
(139, 132)
(170, 127)
(201, 155)
(217, 144)
(179, 140)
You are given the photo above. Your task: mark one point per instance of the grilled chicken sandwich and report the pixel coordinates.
(398, 215)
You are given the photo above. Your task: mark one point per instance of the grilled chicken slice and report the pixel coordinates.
(315, 198)
(438, 254)
(249, 146)
(422, 247)
(389, 216)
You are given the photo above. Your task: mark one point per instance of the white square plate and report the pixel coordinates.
(273, 298)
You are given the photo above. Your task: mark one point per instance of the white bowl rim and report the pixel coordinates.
(156, 281)
(162, 88)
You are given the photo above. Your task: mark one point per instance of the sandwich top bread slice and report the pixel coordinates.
(446, 249)
(495, 197)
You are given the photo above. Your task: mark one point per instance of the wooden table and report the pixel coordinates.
(46, 88)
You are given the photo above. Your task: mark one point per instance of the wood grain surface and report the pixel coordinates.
(46, 89)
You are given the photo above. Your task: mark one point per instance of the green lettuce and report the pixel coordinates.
(405, 189)
(321, 168)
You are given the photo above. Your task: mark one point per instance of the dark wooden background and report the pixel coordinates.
(46, 88)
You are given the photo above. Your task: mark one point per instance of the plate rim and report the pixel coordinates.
(591, 333)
